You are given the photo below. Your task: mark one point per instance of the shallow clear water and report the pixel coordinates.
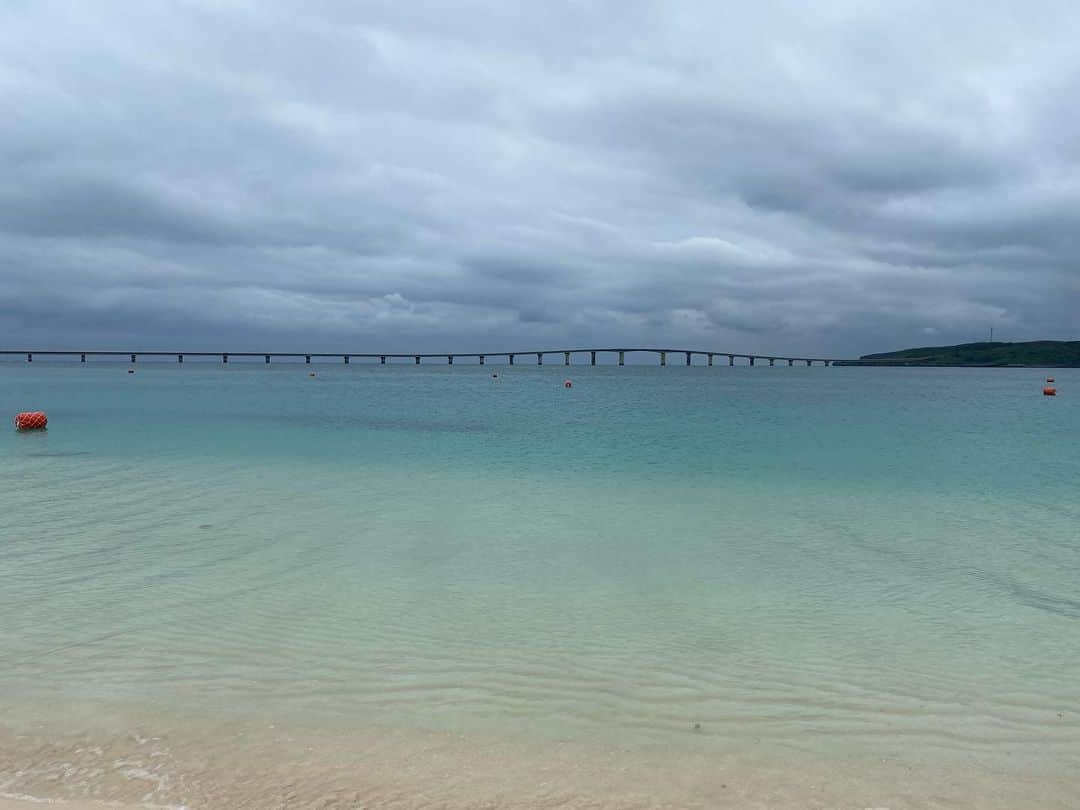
(836, 561)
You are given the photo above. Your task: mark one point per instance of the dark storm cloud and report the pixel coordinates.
(70, 207)
(838, 179)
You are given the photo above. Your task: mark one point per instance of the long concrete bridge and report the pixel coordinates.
(565, 354)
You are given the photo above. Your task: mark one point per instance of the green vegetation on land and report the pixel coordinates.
(1042, 353)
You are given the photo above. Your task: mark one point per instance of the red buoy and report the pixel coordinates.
(31, 420)
(567, 384)
(1049, 392)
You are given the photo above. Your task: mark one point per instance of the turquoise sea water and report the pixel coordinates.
(837, 561)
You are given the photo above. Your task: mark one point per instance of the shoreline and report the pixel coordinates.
(209, 764)
(28, 803)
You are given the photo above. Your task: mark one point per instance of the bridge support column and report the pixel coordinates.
(790, 362)
(132, 358)
(731, 359)
(688, 358)
(82, 358)
(417, 358)
(179, 358)
(592, 358)
(307, 358)
(751, 361)
(345, 358)
(267, 359)
(224, 358)
(382, 360)
(809, 362)
(566, 358)
(663, 358)
(622, 358)
(539, 359)
(511, 357)
(449, 359)
(710, 361)
(29, 357)
(772, 361)
(481, 359)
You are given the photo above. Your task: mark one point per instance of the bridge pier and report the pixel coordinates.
(809, 362)
(566, 358)
(731, 359)
(29, 357)
(382, 360)
(710, 361)
(133, 358)
(688, 358)
(449, 359)
(345, 357)
(179, 358)
(266, 359)
(511, 358)
(481, 359)
(592, 358)
(417, 358)
(539, 359)
(663, 358)
(224, 358)
(772, 361)
(790, 362)
(82, 358)
(307, 358)
(751, 360)
(622, 358)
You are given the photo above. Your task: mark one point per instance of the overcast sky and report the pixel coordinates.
(827, 177)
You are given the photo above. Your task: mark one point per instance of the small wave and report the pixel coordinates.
(58, 453)
(1058, 605)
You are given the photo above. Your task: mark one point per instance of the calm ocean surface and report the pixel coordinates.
(829, 565)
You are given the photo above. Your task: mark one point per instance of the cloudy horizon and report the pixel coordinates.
(830, 179)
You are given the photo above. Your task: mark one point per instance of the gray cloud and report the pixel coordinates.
(479, 175)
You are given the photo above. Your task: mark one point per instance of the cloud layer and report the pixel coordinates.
(832, 178)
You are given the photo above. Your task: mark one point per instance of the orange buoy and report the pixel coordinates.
(31, 420)
(567, 384)
(1049, 391)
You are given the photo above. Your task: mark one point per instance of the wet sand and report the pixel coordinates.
(234, 766)
(37, 804)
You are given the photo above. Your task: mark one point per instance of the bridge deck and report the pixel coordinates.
(539, 354)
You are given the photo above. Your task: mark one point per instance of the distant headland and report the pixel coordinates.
(1036, 353)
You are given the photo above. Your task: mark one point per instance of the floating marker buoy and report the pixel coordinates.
(131, 371)
(1049, 391)
(311, 373)
(567, 384)
(1049, 379)
(31, 420)
(495, 376)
